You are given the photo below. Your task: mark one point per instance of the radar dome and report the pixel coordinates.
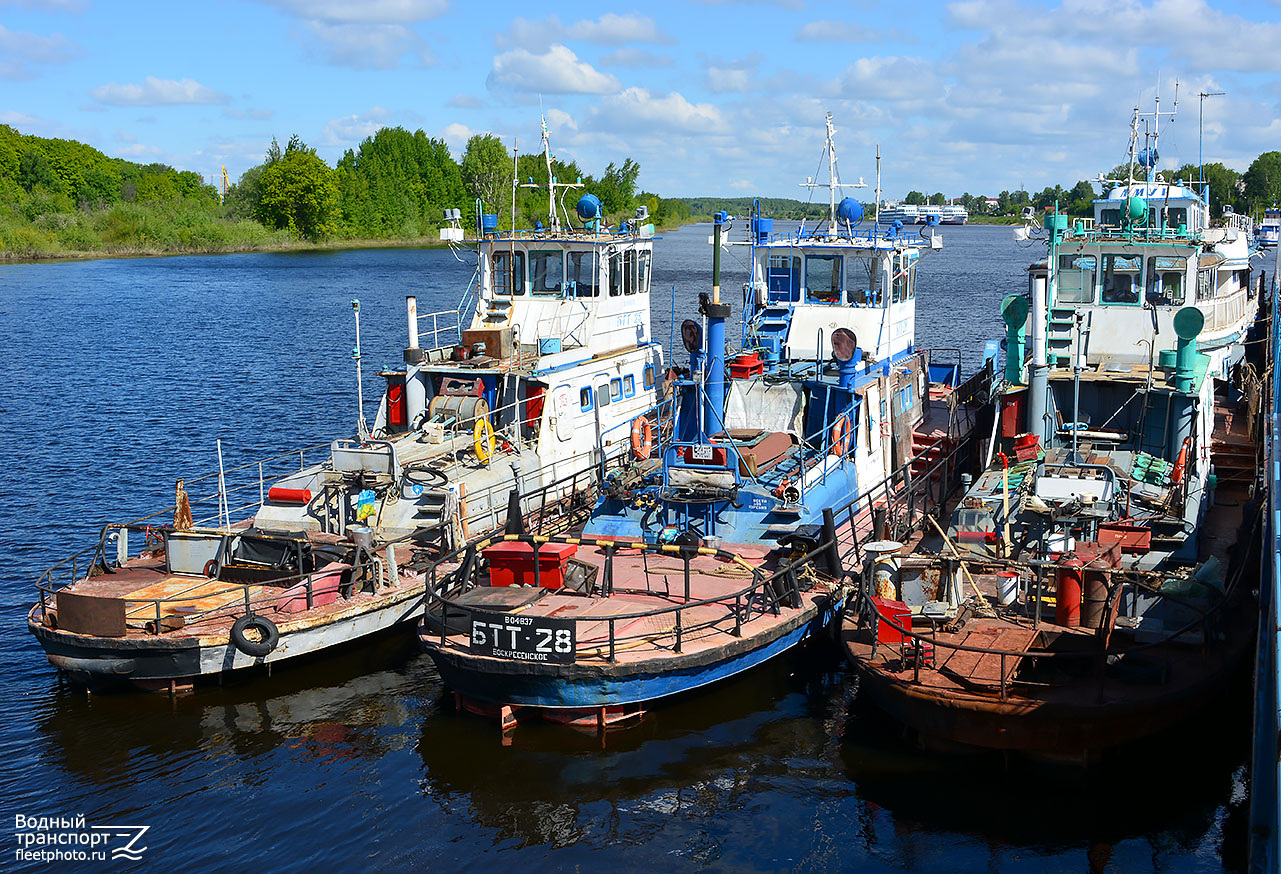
(850, 210)
(588, 207)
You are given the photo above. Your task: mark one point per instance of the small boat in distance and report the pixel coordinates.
(922, 214)
(1268, 231)
(1092, 586)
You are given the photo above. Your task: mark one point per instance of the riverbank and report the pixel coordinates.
(41, 247)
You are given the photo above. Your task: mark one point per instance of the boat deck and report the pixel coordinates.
(143, 591)
(653, 585)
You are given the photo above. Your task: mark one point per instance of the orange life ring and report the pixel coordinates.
(840, 442)
(642, 438)
(1180, 464)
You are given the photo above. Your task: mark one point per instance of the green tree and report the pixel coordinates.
(1263, 180)
(487, 171)
(617, 188)
(915, 198)
(938, 198)
(299, 193)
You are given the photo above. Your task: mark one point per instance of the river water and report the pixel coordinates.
(120, 375)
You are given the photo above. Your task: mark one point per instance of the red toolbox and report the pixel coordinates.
(511, 563)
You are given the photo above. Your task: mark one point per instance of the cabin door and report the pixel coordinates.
(563, 412)
(901, 408)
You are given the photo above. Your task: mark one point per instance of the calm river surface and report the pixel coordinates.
(120, 375)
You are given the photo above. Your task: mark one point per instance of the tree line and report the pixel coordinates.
(59, 195)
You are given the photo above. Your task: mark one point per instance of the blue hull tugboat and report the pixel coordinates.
(536, 394)
(720, 545)
(1094, 579)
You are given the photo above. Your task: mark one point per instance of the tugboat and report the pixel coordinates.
(1088, 589)
(719, 545)
(535, 395)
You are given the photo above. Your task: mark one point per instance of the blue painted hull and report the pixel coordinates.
(581, 686)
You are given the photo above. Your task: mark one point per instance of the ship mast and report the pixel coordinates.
(833, 178)
(553, 221)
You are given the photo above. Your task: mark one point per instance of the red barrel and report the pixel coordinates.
(1067, 595)
(280, 495)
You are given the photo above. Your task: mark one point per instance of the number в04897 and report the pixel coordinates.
(527, 638)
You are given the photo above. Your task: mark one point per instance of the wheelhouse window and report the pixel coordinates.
(783, 277)
(1205, 283)
(1178, 215)
(546, 273)
(509, 273)
(582, 274)
(1075, 282)
(1110, 217)
(1121, 278)
(823, 278)
(616, 274)
(1165, 280)
(864, 281)
(629, 271)
(899, 287)
(642, 272)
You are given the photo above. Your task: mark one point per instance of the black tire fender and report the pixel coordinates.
(266, 632)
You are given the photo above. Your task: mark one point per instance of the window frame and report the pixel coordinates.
(1136, 284)
(517, 258)
(533, 255)
(836, 270)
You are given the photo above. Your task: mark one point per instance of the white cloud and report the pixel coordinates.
(369, 35)
(635, 58)
(350, 130)
(840, 31)
(456, 136)
(614, 29)
(22, 52)
(157, 92)
(637, 110)
(539, 34)
(558, 71)
(366, 11)
(722, 79)
(464, 101)
(361, 46)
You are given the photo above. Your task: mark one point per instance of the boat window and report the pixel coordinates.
(585, 399)
(582, 274)
(1111, 217)
(615, 389)
(509, 273)
(546, 271)
(1075, 282)
(1205, 283)
(1121, 278)
(647, 376)
(864, 281)
(1178, 215)
(867, 417)
(823, 278)
(602, 395)
(616, 274)
(784, 279)
(911, 281)
(642, 273)
(899, 286)
(629, 271)
(629, 386)
(1165, 280)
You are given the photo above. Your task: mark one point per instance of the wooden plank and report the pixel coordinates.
(166, 588)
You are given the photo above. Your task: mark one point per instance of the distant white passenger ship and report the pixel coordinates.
(911, 214)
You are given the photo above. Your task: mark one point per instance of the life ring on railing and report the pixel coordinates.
(255, 635)
(211, 569)
(483, 440)
(1180, 464)
(840, 443)
(642, 438)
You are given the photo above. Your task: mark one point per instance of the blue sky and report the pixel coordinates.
(709, 97)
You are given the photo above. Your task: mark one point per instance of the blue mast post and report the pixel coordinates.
(716, 313)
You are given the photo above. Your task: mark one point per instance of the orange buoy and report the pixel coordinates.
(1180, 463)
(642, 438)
(840, 437)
